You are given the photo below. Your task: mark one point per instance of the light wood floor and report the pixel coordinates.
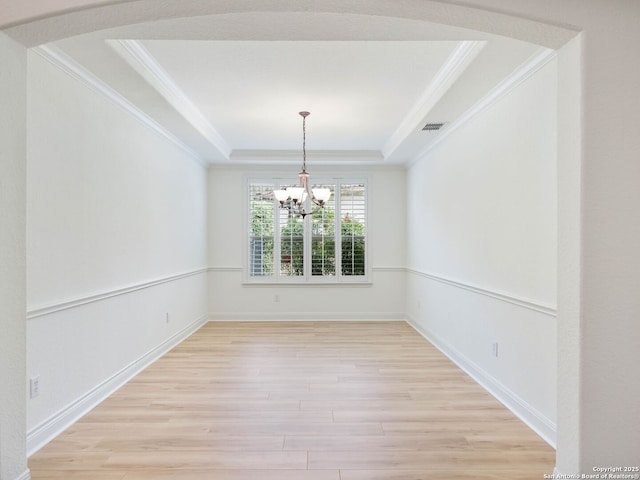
(298, 401)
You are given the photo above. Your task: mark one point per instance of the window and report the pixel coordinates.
(352, 212)
(261, 231)
(328, 246)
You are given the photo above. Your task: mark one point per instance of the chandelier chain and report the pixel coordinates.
(304, 140)
(294, 198)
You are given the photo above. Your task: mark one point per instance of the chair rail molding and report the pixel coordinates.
(40, 311)
(505, 297)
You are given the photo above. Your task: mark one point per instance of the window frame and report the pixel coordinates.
(307, 278)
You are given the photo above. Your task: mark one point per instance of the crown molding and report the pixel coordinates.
(64, 62)
(324, 157)
(450, 71)
(141, 60)
(538, 60)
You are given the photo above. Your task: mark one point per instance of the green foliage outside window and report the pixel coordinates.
(316, 234)
(261, 237)
(323, 245)
(292, 247)
(353, 248)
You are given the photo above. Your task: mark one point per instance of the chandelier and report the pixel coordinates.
(297, 199)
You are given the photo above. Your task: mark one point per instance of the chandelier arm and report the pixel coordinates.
(294, 208)
(298, 209)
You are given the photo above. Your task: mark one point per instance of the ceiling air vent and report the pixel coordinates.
(432, 127)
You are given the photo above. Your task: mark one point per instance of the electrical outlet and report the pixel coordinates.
(494, 349)
(34, 389)
(166, 317)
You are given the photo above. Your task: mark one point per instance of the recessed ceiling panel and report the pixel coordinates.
(251, 92)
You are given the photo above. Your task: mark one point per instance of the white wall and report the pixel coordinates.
(482, 247)
(116, 240)
(569, 256)
(229, 299)
(12, 258)
(610, 234)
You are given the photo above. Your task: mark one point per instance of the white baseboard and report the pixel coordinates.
(26, 475)
(42, 434)
(306, 316)
(538, 422)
